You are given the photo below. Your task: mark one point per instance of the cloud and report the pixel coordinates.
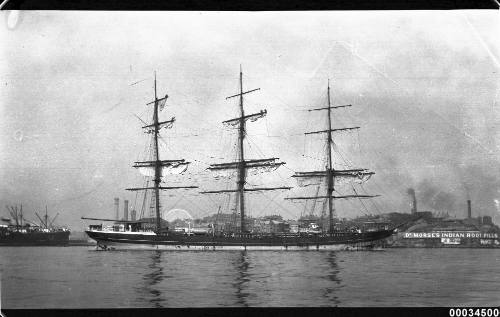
(421, 85)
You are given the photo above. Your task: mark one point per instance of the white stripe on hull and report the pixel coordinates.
(184, 247)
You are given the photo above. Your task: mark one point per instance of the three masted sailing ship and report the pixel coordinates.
(134, 235)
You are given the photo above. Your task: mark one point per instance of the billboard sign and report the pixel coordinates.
(449, 234)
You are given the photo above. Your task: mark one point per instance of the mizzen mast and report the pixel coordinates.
(330, 173)
(157, 164)
(242, 165)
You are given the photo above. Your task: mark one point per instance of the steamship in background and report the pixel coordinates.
(144, 234)
(18, 231)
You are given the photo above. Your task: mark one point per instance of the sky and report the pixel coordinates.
(423, 85)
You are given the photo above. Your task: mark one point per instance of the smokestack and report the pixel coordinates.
(117, 207)
(469, 210)
(132, 215)
(125, 210)
(411, 192)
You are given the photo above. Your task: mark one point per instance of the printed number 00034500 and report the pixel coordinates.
(474, 312)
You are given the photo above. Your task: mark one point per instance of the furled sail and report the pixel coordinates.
(166, 125)
(359, 176)
(355, 176)
(167, 167)
(251, 170)
(252, 167)
(252, 118)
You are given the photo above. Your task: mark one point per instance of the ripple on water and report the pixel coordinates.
(52, 277)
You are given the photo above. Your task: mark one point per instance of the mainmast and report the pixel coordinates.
(242, 165)
(330, 172)
(157, 164)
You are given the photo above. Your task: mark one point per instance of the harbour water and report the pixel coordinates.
(80, 277)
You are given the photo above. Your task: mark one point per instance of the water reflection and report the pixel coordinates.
(154, 276)
(241, 265)
(333, 279)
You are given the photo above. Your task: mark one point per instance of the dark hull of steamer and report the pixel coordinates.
(58, 238)
(178, 241)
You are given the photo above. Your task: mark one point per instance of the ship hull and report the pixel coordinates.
(60, 238)
(178, 242)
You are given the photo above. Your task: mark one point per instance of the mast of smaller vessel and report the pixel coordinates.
(46, 218)
(157, 162)
(329, 169)
(241, 168)
(17, 220)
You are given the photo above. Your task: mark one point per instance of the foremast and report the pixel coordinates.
(243, 165)
(158, 165)
(330, 173)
